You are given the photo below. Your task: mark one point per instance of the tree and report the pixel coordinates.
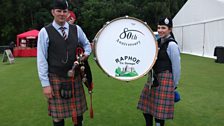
(19, 16)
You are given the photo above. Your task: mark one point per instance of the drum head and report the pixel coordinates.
(125, 48)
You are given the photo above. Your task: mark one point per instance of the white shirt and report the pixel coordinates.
(42, 50)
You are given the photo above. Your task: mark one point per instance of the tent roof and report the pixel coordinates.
(32, 33)
(28, 34)
(199, 11)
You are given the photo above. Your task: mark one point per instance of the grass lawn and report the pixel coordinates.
(114, 102)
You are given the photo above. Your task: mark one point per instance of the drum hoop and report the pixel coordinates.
(100, 31)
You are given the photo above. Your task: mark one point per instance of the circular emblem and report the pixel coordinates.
(125, 48)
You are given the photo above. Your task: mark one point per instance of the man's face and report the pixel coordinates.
(60, 15)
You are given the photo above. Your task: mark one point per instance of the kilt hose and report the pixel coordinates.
(158, 101)
(62, 108)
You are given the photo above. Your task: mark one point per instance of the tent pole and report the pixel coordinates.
(203, 54)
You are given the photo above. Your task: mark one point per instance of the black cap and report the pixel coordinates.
(166, 21)
(60, 4)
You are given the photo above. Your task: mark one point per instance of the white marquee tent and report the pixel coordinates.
(199, 27)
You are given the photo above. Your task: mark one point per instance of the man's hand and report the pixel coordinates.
(48, 92)
(84, 57)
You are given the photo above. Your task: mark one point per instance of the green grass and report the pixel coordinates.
(114, 102)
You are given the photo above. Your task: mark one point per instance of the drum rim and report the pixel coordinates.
(100, 31)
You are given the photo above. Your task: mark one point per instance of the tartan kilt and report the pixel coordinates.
(62, 108)
(158, 101)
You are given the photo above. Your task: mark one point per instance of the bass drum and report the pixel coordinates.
(125, 48)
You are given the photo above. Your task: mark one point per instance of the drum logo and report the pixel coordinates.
(128, 70)
(129, 35)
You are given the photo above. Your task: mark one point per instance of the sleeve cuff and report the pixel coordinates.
(45, 83)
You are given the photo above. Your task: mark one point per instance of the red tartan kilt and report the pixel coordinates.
(159, 101)
(63, 108)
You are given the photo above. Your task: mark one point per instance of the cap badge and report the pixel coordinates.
(66, 3)
(167, 21)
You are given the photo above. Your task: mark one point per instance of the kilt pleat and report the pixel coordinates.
(63, 108)
(158, 101)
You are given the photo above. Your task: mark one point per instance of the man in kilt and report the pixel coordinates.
(157, 97)
(56, 54)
